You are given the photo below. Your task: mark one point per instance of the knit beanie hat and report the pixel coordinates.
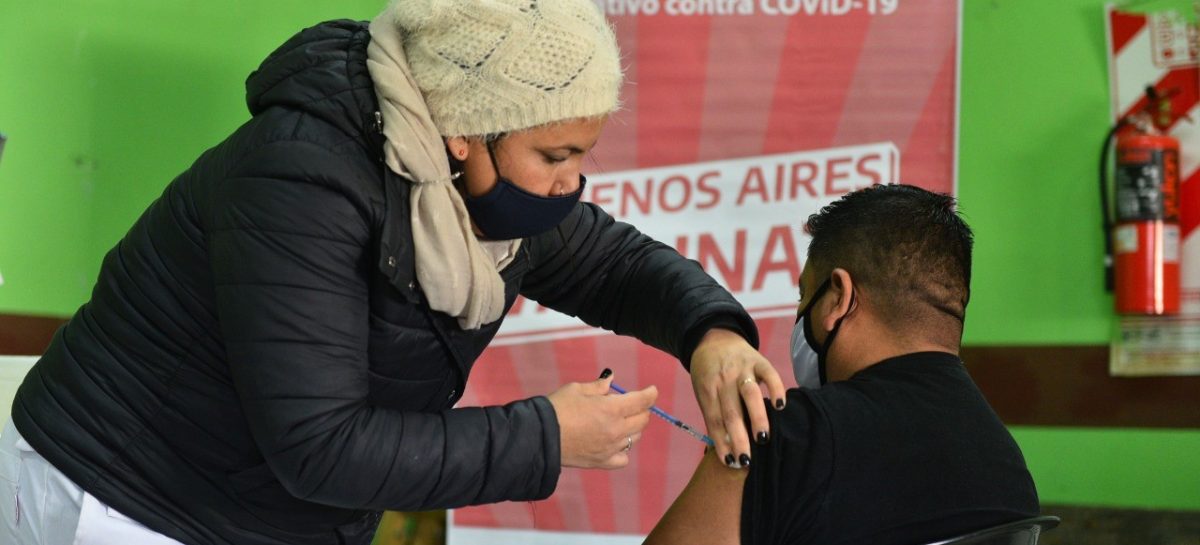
(491, 66)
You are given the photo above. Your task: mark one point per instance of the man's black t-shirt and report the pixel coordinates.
(905, 452)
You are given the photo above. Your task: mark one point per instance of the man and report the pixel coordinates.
(888, 441)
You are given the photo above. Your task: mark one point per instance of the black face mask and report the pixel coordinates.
(508, 212)
(821, 350)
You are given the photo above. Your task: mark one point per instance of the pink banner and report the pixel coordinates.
(741, 118)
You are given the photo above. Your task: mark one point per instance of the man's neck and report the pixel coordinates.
(867, 346)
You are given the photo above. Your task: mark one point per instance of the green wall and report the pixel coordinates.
(105, 101)
(45, 185)
(1116, 468)
(1034, 107)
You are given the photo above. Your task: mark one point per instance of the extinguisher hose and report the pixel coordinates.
(1105, 207)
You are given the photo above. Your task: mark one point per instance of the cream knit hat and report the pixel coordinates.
(490, 66)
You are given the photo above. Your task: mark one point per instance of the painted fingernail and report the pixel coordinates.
(729, 460)
(779, 404)
(605, 373)
(744, 460)
(762, 437)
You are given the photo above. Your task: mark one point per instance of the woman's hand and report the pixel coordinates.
(597, 429)
(726, 372)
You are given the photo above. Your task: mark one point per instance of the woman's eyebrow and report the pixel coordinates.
(570, 148)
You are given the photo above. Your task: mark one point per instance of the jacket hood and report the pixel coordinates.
(321, 71)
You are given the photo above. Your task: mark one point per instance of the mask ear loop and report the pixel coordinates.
(490, 143)
(812, 300)
(823, 355)
(563, 237)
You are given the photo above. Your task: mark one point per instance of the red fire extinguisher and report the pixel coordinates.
(1142, 242)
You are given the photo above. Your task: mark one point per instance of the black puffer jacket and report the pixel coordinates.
(257, 365)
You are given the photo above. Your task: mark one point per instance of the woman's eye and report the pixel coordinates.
(553, 159)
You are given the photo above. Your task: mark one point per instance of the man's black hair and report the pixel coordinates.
(905, 246)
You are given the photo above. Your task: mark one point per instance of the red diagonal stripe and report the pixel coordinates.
(816, 68)
(1187, 84)
(925, 161)
(740, 84)
(775, 338)
(652, 458)
(875, 112)
(1181, 81)
(1124, 27)
(670, 81)
(588, 508)
(478, 516)
(618, 146)
(620, 355)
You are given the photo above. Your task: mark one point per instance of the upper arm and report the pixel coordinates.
(775, 501)
(289, 261)
(709, 509)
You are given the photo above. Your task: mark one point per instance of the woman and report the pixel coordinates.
(272, 352)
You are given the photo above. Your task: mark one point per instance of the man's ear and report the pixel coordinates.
(841, 298)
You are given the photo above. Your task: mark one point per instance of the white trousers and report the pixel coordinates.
(41, 506)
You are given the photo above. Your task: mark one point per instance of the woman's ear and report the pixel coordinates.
(459, 147)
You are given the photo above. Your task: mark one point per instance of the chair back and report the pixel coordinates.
(12, 372)
(1020, 532)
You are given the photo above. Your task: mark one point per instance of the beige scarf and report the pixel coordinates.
(457, 275)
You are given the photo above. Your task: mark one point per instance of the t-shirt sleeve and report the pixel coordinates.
(785, 489)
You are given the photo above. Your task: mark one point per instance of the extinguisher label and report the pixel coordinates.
(1171, 244)
(1125, 239)
(1147, 182)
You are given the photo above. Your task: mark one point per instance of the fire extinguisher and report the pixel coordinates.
(1142, 242)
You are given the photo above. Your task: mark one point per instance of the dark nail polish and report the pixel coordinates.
(762, 437)
(779, 404)
(729, 460)
(605, 373)
(744, 460)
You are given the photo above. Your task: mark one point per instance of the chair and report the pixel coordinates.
(1021, 532)
(12, 372)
